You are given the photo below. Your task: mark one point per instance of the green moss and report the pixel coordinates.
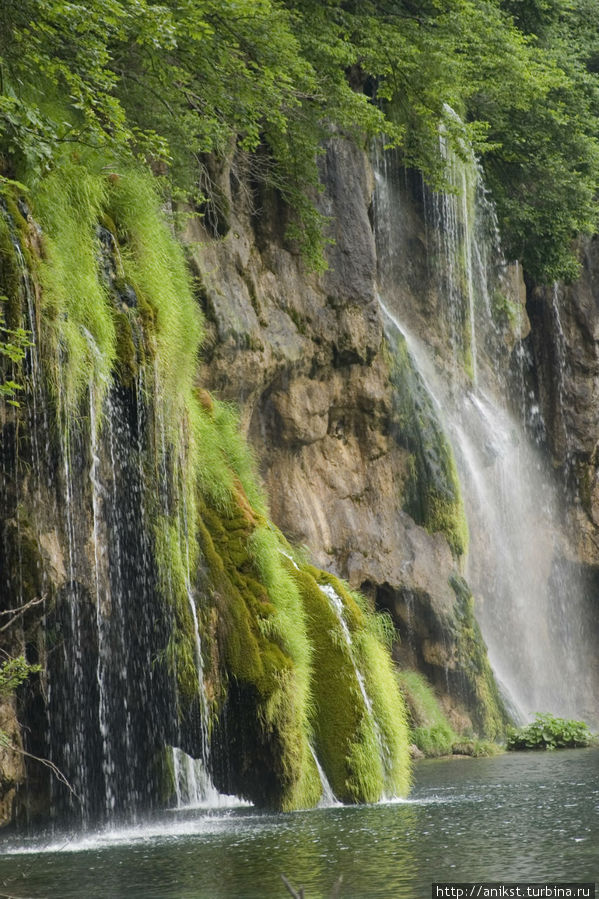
(476, 748)
(432, 493)
(164, 766)
(430, 729)
(126, 351)
(372, 636)
(354, 611)
(340, 727)
(389, 710)
(489, 713)
(180, 652)
(10, 278)
(506, 311)
(154, 264)
(264, 644)
(80, 326)
(446, 513)
(288, 626)
(364, 755)
(227, 468)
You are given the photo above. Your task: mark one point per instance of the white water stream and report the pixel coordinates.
(337, 606)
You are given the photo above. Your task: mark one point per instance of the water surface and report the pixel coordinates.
(516, 817)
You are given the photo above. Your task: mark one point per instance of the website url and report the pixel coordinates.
(513, 890)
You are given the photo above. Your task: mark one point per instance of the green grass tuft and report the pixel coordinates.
(77, 312)
(429, 728)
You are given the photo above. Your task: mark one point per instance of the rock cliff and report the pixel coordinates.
(306, 358)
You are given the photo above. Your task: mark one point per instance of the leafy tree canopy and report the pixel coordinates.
(171, 81)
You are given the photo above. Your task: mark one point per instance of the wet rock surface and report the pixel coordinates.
(305, 358)
(564, 346)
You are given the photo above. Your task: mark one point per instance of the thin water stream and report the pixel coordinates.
(514, 817)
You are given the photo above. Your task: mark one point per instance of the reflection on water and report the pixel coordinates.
(516, 817)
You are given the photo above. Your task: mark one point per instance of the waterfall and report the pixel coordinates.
(328, 798)
(194, 787)
(530, 602)
(561, 374)
(337, 606)
(99, 481)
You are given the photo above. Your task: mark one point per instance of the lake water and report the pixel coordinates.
(514, 817)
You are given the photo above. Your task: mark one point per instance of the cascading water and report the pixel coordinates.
(561, 373)
(336, 604)
(111, 703)
(530, 604)
(328, 799)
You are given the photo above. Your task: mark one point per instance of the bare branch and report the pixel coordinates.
(20, 610)
(48, 764)
(290, 889)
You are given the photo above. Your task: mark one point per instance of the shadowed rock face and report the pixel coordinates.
(12, 764)
(564, 362)
(564, 345)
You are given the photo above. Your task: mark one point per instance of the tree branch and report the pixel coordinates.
(16, 613)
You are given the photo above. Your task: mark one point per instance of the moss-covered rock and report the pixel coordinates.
(266, 701)
(432, 491)
(488, 710)
(359, 718)
(279, 671)
(10, 274)
(430, 730)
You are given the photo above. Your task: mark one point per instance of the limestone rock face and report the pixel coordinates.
(564, 354)
(565, 351)
(12, 767)
(304, 357)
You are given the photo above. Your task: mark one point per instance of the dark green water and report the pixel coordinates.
(515, 817)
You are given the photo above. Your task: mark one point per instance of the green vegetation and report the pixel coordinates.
(364, 753)
(13, 672)
(181, 84)
(95, 100)
(13, 345)
(548, 732)
(139, 323)
(78, 318)
(491, 717)
(263, 641)
(14, 340)
(476, 748)
(430, 730)
(432, 490)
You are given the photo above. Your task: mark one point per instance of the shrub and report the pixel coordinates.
(548, 732)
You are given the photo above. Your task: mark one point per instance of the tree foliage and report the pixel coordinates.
(13, 345)
(13, 671)
(170, 82)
